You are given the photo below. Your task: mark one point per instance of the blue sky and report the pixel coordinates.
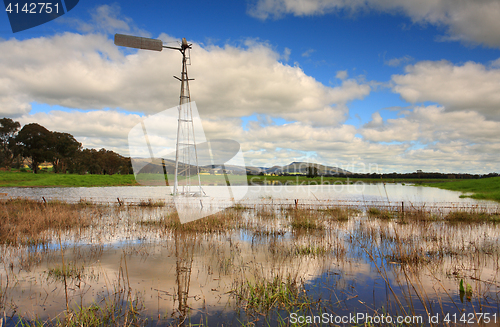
(396, 84)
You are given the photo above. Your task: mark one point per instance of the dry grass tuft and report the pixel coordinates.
(305, 219)
(339, 213)
(223, 221)
(28, 221)
(151, 203)
(471, 216)
(380, 214)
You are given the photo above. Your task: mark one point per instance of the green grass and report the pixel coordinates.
(46, 179)
(482, 189)
(261, 296)
(26, 179)
(488, 188)
(71, 271)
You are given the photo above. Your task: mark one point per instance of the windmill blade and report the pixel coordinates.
(138, 42)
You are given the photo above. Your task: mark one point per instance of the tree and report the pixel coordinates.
(8, 130)
(111, 162)
(91, 161)
(36, 142)
(312, 171)
(65, 148)
(85, 161)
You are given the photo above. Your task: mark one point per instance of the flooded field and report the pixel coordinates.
(353, 194)
(273, 262)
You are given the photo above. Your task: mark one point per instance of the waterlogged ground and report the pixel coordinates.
(266, 264)
(353, 194)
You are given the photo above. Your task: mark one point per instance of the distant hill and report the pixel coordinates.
(158, 166)
(294, 168)
(298, 168)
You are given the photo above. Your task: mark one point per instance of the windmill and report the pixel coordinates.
(186, 155)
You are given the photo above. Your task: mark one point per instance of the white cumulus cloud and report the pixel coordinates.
(469, 86)
(90, 72)
(465, 20)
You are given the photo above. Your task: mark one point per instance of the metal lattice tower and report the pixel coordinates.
(186, 155)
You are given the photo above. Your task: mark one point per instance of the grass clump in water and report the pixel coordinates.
(380, 214)
(220, 222)
(418, 214)
(26, 221)
(302, 219)
(239, 206)
(261, 296)
(70, 271)
(310, 250)
(93, 315)
(151, 203)
(472, 216)
(337, 213)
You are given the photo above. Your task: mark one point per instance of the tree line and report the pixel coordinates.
(422, 175)
(35, 144)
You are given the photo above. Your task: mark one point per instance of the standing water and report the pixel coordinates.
(327, 258)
